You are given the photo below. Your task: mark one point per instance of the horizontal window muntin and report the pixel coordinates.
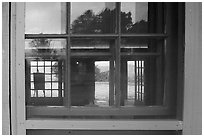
(56, 36)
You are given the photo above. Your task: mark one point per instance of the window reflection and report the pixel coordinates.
(44, 71)
(90, 67)
(93, 17)
(134, 17)
(45, 18)
(142, 71)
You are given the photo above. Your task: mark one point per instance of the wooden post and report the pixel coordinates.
(5, 69)
(20, 68)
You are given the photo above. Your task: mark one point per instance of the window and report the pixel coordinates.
(99, 60)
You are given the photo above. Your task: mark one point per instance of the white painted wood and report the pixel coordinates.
(192, 114)
(20, 68)
(13, 69)
(17, 69)
(105, 124)
(97, 111)
(5, 69)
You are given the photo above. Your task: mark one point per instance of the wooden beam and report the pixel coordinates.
(20, 68)
(13, 69)
(98, 111)
(105, 124)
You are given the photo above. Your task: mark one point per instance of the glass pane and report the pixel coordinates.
(93, 17)
(40, 63)
(41, 93)
(47, 77)
(47, 69)
(48, 85)
(47, 63)
(33, 93)
(33, 63)
(31, 77)
(142, 72)
(32, 85)
(131, 83)
(55, 93)
(142, 17)
(47, 93)
(102, 83)
(45, 18)
(33, 69)
(90, 67)
(55, 77)
(54, 69)
(44, 59)
(54, 85)
(40, 69)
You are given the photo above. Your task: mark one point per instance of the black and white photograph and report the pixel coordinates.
(102, 68)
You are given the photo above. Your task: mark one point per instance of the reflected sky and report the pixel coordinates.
(139, 10)
(46, 17)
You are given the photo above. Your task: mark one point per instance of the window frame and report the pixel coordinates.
(67, 110)
(20, 124)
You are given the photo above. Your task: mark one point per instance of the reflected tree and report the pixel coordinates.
(105, 22)
(41, 46)
(86, 23)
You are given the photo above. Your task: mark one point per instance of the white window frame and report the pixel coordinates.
(192, 123)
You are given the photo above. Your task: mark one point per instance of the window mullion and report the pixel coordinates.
(67, 92)
(117, 56)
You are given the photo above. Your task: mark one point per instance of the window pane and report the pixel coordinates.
(55, 77)
(33, 93)
(33, 63)
(93, 17)
(142, 72)
(47, 93)
(102, 83)
(55, 93)
(142, 17)
(90, 68)
(48, 85)
(47, 77)
(54, 85)
(40, 69)
(44, 71)
(45, 18)
(40, 63)
(41, 93)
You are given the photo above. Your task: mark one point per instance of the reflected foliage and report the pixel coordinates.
(41, 45)
(101, 76)
(105, 22)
